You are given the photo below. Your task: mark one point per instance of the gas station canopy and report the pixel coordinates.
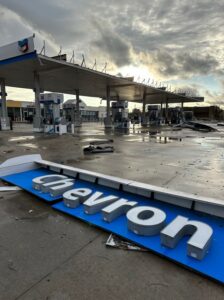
(64, 77)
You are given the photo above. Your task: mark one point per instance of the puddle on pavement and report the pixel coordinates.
(88, 132)
(172, 164)
(166, 139)
(204, 168)
(29, 145)
(135, 140)
(156, 139)
(208, 142)
(91, 140)
(21, 138)
(213, 138)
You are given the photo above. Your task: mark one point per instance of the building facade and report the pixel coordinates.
(20, 111)
(88, 113)
(23, 111)
(207, 113)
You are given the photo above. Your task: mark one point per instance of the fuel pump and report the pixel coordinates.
(120, 114)
(51, 113)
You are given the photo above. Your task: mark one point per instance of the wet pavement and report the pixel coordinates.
(46, 255)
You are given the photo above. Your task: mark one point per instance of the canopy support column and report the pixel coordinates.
(144, 120)
(37, 121)
(166, 113)
(182, 112)
(161, 112)
(4, 119)
(108, 123)
(77, 110)
(21, 114)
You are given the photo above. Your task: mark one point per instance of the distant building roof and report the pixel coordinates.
(71, 103)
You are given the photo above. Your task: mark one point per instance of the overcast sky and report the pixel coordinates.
(177, 42)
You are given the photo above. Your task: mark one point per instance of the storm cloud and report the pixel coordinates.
(113, 45)
(183, 64)
(173, 39)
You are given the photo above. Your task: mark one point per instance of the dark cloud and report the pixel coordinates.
(173, 39)
(196, 64)
(112, 45)
(214, 98)
(177, 63)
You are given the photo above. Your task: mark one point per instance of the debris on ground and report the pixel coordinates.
(11, 265)
(7, 151)
(196, 126)
(98, 149)
(99, 146)
(116, 242)
(9, 188)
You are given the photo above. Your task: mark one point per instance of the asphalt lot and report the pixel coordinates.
(47, 255)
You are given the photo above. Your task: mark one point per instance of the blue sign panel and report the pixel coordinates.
(211, 265)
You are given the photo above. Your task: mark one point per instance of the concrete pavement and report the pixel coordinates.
(47, 255)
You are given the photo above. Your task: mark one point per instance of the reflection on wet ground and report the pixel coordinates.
(29, 145)
(91, 140)
(162, 134)
(179, 159)
(156, 139)
(95, 132)
(82, 132)
(21, 138)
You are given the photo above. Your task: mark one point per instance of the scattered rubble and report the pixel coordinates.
(196, 126)
(95, 146)
(9, 188)
(98, 149)
(116, 242)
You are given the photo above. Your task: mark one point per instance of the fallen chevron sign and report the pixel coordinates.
(181, 227)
